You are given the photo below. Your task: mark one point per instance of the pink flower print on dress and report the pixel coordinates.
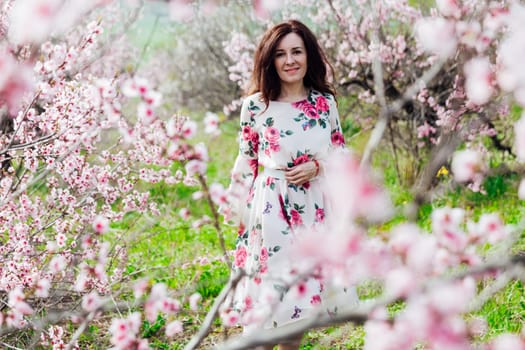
(319, 215)
(263, 259)
(296, 217)
(301, 159)
(322, 104)
(338, 138)
(308, 109)
(254, 166)
(316, 299)
(240, 256)
(272, 135)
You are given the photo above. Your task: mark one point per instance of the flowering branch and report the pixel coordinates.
(362, 313)
(205, 328)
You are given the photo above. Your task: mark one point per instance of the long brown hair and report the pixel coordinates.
(265, 78)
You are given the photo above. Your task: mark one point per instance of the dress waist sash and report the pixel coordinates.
(276, 173)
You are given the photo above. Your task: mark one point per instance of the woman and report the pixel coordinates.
(289, 124)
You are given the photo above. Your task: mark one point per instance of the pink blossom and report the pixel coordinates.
(58, 263)
(181, 10)
(425, 130)
(477, 326)
(452, 298)
(32, 20)
(16, 301)
(420, 254)
(346, 182)
(154, 303)
(467, 166)
(194, 300)
(507, 341)
(449, 8)
(479, 77)
(400, 282)
(218, 194)
(491, 226)
(140, 287)
(91, 301)
(230, 318)
(169, 306)
(189, 129)
(15, 80)
(200, 152)
(42, 288)
(100, 225)
(211, 123)
(173, 328)
(152, 98)
(264, 8)
(184, 213)
(194, 167)
(402, 237)
(146, 113)
(124, 331)
(437, 35)
(446, 225)
(468, 32)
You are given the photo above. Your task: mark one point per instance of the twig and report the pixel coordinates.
(395, 106)
(81, 329)
(216, 223)
(204, 330)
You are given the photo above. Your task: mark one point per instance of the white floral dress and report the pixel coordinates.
(269, 210)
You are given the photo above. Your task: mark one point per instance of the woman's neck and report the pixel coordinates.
(291, 93)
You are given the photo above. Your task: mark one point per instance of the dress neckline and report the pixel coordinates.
(297, 101)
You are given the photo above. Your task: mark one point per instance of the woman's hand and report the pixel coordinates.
(301, 173)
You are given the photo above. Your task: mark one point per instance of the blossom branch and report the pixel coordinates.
(216, 223)
(205, 328)
(361, 313)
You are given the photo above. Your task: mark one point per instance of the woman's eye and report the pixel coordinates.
(279, 54)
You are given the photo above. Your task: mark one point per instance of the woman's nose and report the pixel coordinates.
(289, 58)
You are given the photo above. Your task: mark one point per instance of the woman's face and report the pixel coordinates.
(290, 59)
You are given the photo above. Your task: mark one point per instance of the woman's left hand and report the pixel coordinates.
(301, 173)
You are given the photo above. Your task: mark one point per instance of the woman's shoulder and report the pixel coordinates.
(255, 98)
(326, 95)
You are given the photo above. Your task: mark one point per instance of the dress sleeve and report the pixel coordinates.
(337, 141)
(245, 167)
(337, 138)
